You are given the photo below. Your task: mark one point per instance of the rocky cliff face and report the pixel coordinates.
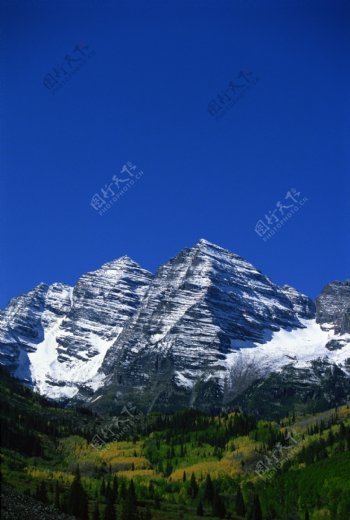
(200, 332)
(333, 307)
(15, 505)
(102, 302)
(197, 310)
(23, 324)
(55, 337)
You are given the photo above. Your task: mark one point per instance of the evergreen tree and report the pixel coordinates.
(57, 495)
(193, 489)
(218, 506)
(64, 504)
(240, 506)
(115, 488)
(78, 502)
(123, 490)
(110, 509)
(132, 492)
(168, 469)
(96, 514)
(41, 492)
(200, 510)
(256, 514)
(151, 489)
(108, 490)
(209, 489)
(129, 510)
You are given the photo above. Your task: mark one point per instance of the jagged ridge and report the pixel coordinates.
(198, 333)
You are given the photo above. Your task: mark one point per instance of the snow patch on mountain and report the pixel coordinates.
(207, 320)
(48, 372)
(56, 337)
(296, 346)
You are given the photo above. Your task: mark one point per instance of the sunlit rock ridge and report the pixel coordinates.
(55, 337)
(199, 332)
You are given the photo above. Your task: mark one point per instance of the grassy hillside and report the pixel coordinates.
(184, 465)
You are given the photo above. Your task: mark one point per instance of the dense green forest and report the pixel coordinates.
(185, 465)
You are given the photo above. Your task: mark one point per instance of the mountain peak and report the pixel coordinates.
(139, 336)
(41, 286)
(205, 246)
(205, 243)
(122, 261)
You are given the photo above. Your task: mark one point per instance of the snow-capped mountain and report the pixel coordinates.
(200, 332)
(208, 313)
(55, 337)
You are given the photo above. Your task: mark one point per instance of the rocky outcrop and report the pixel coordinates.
(306, 390)
(198, 333)
(55, 337)
(17, 506)
(23, 324)
(199, 306)
(333, 307)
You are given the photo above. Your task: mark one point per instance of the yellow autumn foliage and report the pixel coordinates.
(137, 473)
(45, 474)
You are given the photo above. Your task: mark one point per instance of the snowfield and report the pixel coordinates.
(296, 346)
(47, 371)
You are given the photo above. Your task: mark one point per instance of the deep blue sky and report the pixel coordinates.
(143, 98)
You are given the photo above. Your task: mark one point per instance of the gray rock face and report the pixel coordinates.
(302, 305)
(55, 337)
(196, 306)
(23, 322)
(17, 506)
(102, 302)
(198, 333)
(315, 388)
(333, 306)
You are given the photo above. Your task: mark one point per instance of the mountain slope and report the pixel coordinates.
(198, 333)
(333, 307)
(301, 463)
(202, 308)
(55, 337)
